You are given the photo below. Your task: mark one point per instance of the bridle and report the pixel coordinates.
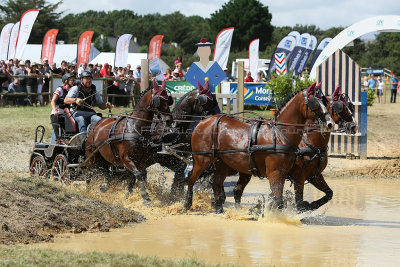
(346, 119)
(202, 100)
(313, 104)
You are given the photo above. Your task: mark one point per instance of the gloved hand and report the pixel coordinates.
(56, 113)
(108, 105)
(79, 101)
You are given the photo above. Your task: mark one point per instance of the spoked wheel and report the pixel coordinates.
(59, 170)
(38, 167)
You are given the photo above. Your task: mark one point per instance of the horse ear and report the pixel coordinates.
(311, 89)
(337, 91)
(318, 86)
(155, 85)
(199, 85)
(164, 84)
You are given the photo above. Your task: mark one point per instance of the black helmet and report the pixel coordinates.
(66, 76)
(86, 74)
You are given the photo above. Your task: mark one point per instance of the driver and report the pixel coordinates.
(84, 98)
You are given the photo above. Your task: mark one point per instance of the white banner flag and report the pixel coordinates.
(253, 57)
(223, 46)
(121, 50)
(4, 40)
(25, 28)
(13, 41)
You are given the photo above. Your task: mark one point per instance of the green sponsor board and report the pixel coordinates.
(179, 87)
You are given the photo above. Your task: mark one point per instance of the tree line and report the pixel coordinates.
(250, 18)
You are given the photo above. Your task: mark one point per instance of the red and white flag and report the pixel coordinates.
(121, 50)
(253, 57)
(155, 47)
(84, 44)
(223, 46)
(49, 45)
(4, 40)
(25, 27)
(12, 44)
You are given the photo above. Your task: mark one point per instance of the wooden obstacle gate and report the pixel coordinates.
(339, 68)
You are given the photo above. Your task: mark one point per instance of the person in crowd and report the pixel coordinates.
(137, 74)
(122, 82)
(14, 87)
(32, 81)
(45, 61)
(180, 70)
(91, 70)
(72, 69)
(40, 82)
(83, 67)
(393, 86)
(15, 66)
(248, 78)
(21, 71)
(46, 82)
(128, 68)
(58, 105)
(228, 77)
(259, 78)
(372, 82)
(84, 97)
(178, 60)
(381, 87)
(168, 75)
(176, 77)
(115, 72)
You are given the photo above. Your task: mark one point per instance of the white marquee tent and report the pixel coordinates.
(134, 59)
(65, 52)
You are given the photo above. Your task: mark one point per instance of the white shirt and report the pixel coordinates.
(381, 85)
(80, 70)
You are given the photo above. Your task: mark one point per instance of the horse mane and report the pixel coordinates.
(145, 91)
(284, 102)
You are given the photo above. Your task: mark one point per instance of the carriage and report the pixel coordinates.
(58, 160)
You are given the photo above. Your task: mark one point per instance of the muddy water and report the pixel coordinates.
(360, 226)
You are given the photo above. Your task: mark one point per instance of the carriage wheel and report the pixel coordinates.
(59, 170)
(38, 167)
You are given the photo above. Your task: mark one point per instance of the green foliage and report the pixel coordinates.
(370, 97)
(250, 18)
(282, 87)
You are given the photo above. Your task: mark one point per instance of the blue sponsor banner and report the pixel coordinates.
(254, 93)
(375, 71)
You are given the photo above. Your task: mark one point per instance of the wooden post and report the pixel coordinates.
(144, 81)
(240, 96)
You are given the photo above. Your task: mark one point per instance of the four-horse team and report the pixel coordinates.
(292, 145)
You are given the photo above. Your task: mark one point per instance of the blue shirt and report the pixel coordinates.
(372, 83)
(393, 80)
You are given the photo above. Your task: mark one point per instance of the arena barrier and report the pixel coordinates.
(339, 68)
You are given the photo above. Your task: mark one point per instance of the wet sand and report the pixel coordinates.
(360, 226)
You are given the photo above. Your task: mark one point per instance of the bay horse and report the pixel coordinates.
(124, 141)
(268, 149)
(195, 103)
(313, 154)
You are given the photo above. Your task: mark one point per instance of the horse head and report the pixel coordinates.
(160, 103)
(204, 103)
(342, 110)
(314, 102)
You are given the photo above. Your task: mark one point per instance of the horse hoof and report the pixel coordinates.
(103, 188)
(219, 210)
(303, 207)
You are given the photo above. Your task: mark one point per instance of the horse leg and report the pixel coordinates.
(276, 182)
(244, 179)
(320, 183)
(200, 163)
(178, 184)
(221, 170)
(141, 178)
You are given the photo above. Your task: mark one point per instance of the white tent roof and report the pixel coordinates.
(65, 52)
(133, 58)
